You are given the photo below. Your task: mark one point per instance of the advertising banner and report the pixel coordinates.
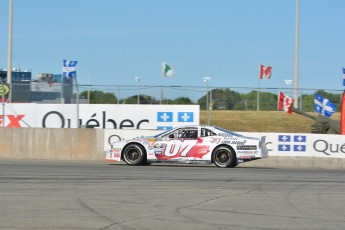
(110, 116)
(304, 144)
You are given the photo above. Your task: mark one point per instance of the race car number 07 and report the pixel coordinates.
(179, 148)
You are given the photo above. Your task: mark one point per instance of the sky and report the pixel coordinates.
(115, 41)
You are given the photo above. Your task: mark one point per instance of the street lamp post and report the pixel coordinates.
(137, 79)
(206, 80)
(9, 53)
(296, 56)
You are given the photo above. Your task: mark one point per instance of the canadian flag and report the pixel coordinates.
(285, 103)
(265, 72)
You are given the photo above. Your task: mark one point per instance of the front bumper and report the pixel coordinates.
(111, 155)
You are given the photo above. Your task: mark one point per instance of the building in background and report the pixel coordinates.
(52, 89)
(47, 88)
(20, 84)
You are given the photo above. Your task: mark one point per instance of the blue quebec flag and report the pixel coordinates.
(185, 117)
(323, 106)
(164, 116)
(69, 69)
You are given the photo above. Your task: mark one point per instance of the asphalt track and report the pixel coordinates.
(98, 195)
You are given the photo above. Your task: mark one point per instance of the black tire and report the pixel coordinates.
(134, 154)
(224, 157)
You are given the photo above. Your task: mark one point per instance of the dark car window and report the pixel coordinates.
(206, 132)
(188, 133)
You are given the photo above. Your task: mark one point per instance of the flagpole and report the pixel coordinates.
(342, 115)
(161, 90)
(258, 97)
(162, 76)
(278, 100)
(296, 55)
(9, 53)
(3, 103)
(77, 101)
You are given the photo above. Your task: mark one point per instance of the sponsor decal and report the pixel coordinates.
(116, 150)
(239, 142)
(327, 148)
(13, 119)
(225, 135)
(98, 116)
(246, 157)
(246, 147)
(215, 140)
(113, 154)
(94, 121)
(246, 152)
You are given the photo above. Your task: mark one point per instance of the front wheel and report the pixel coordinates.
(224, 157)
(134, 154)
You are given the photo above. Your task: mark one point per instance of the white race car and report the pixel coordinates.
(190, 144)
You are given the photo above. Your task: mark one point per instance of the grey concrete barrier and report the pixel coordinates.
(52, 143)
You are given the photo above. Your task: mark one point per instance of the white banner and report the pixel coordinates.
(304, 144)
(110, 116)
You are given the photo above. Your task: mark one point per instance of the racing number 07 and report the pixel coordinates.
(178, 147)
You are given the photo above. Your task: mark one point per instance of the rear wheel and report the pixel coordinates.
(134, 154)
(224, 157)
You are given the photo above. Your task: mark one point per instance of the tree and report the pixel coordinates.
(99, 97)
(143, 99)
(223, 99)
(182, 101)
(268, 101)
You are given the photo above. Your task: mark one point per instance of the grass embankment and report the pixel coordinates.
(260, 121)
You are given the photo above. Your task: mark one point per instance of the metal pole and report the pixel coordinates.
(118, 95)
(3, 110)
(296, 55)
(9, 48)
(207, 79)
(3, 103)
(209, 109)
(161, 101)
(137, 79)
(206, 95)
(77, 101)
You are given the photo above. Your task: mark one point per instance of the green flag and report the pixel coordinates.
(167, 70)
